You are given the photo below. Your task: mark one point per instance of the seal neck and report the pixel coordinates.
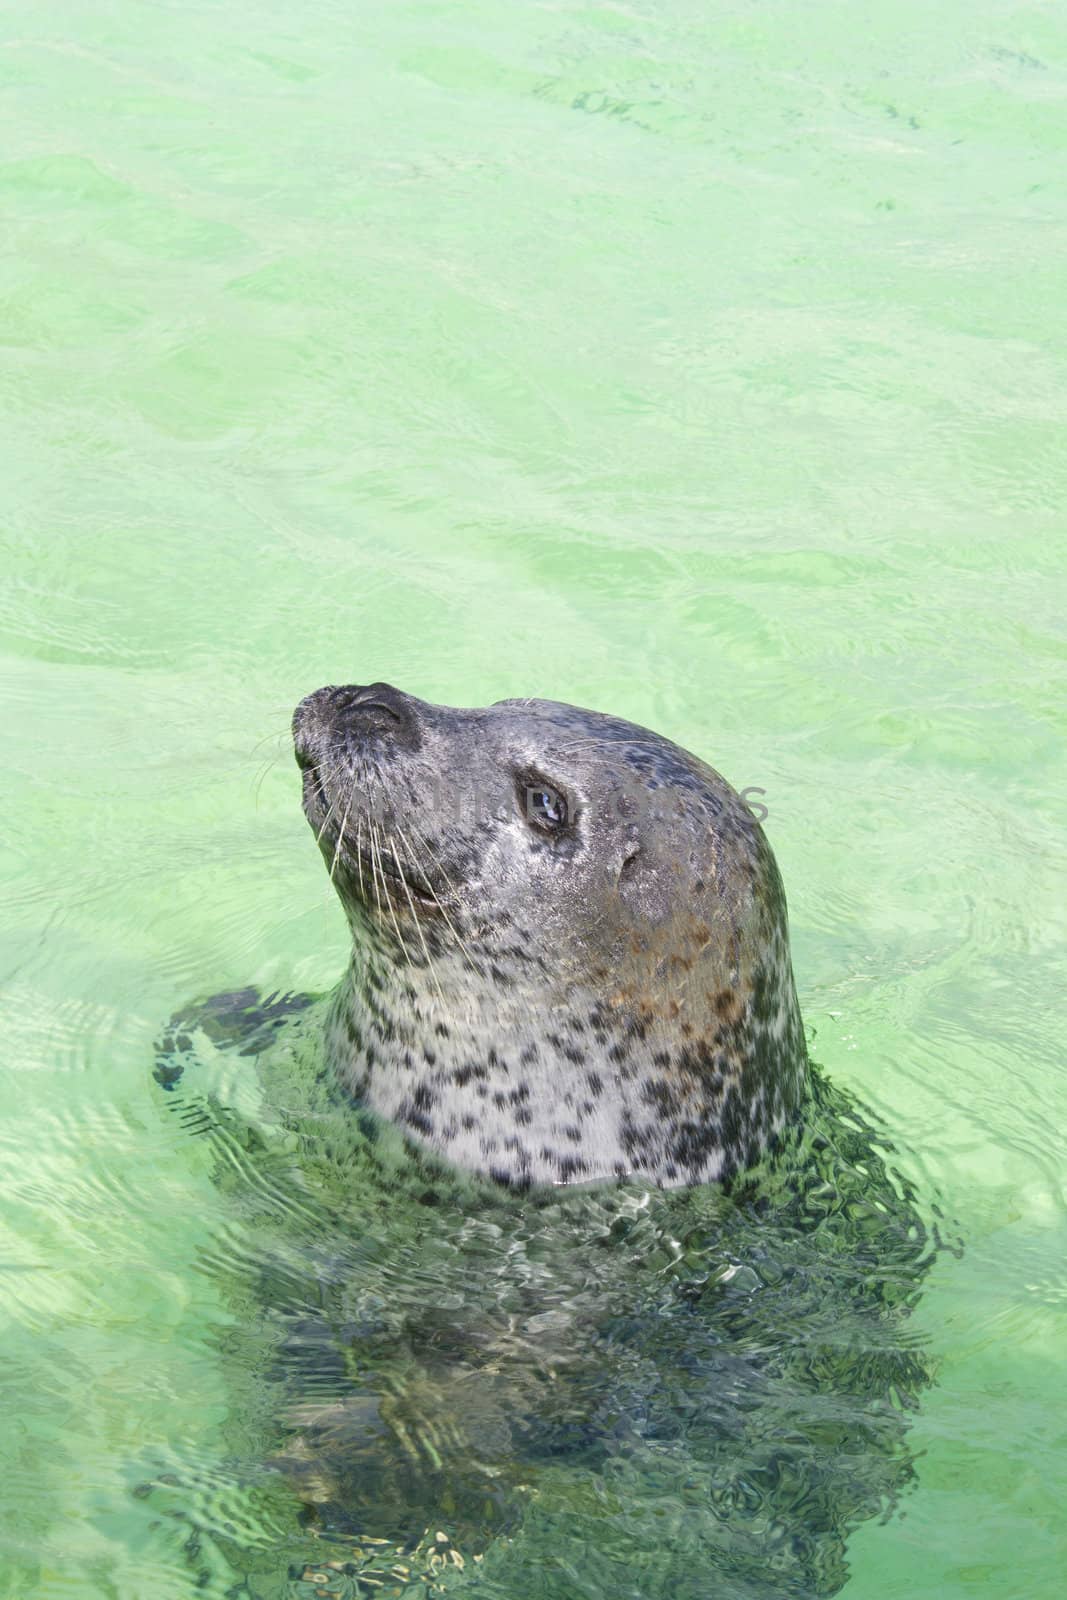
(575, 1091)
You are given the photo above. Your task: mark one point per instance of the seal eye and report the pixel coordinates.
(545, 807)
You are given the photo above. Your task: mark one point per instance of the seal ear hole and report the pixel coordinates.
(629, 861)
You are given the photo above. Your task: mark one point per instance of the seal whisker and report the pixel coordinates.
(606, 742)
(376, 858)
(317, 769)
(282, 735)
(418, 924)
(333, 775)
(264, 774)
(436, 897)
(431, 853)
(374, 875)
(359, 860)
(344, 824)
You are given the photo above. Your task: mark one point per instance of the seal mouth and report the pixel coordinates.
(377, 863)
(378, 869)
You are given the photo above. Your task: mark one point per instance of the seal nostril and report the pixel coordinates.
(376, 710)
(368, 697)
(369, 709)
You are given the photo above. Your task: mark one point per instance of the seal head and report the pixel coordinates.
(570, 950)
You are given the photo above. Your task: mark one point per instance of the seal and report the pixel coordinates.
(570, 947)
(570, 978)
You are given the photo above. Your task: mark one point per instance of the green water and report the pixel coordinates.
(700, 363)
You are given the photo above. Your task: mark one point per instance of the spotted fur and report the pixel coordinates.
(547, 1002)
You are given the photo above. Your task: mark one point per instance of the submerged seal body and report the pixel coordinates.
(570, 949)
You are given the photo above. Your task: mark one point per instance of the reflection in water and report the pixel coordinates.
(605, 1391)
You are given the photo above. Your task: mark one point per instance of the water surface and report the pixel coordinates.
(698, 363)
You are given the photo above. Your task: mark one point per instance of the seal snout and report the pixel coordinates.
(308, 728)
(352, 714)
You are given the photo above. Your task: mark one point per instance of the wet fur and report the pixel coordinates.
(616, 998)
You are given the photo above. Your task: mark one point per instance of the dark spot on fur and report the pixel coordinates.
(416, 1119)
(469, 1072)
(509, 1180)
(663, 1098)
(728, 1004)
